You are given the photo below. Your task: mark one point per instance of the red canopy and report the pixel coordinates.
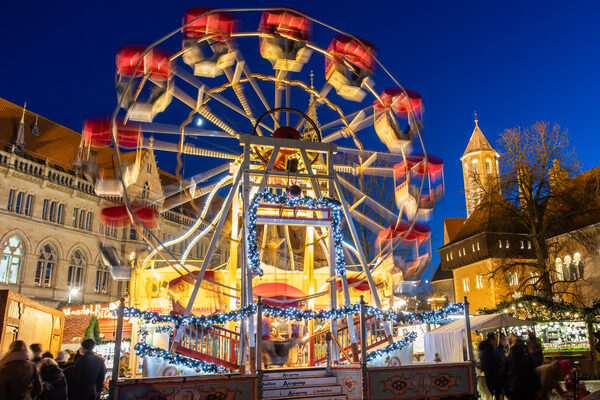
(96, 132)
(191, 278)
(285, 22)
(156, 63)
(419, 232)
(345, 47)
(118, 216)
(218, 24)
(397, 100)
(286, 294)
(416, 165)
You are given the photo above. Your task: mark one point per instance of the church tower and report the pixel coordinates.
(480, 167)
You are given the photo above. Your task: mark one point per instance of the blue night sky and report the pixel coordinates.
(515, 62)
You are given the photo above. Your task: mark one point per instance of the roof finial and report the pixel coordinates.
(23, 115)
(476, 120)
(312, 75)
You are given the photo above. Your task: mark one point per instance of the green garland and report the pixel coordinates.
(541, 309)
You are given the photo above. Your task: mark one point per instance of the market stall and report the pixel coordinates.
(447, 340)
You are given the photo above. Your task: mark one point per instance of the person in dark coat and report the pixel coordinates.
(86, 376)
(520, 378)
(36, 349)
(18, 376)
(488, 358)
(54, 383)
(534, 346)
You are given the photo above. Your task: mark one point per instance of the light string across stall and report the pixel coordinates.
(289, 201)
(408, 338)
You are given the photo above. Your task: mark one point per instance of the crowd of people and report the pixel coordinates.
(38, 375)
(515, 369)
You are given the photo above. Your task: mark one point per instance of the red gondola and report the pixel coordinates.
(404, 232)
(286, 46)
(394, 103)
(416, 165)
(413, 176)
(208, 34)
(155, 63)
(117, 216)
(97, 132)
(350, 63)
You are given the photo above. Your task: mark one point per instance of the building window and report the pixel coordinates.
(576, 267)
(488, 166)
(479, 282)
(81, 221)
(75, 215)
(146, 190)
(20, 203)
(12, 255)
(451, 256)
(534, 278)
(76, 269)
(60, 214)
(88, 221)
(528, 245)
(447, 257)
(132, 233)
(466, 285)
(45, 209)
(478, 246)
(499, 244)
(473, 247)
(45, 266)
(28, 205)
(52, 212)
(522, 244)
(513, 279)
(11, 200)
(101, 279)
(507, 244)
(558, 269)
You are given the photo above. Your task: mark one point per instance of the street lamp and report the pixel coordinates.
(72, 292)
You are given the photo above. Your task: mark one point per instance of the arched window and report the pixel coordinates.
(558, 268)
(76, 270)
(12, 254)
(576, 268)
(82, 219)
(88, 221)
(45, 266)
(488, 166)
(146, 191)
(101, 279)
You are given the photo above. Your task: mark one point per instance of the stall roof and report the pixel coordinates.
(482, 322)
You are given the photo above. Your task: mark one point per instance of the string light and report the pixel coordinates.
(400, 344)
(288, 201)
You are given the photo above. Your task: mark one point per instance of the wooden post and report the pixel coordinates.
(118, 339)
(468, 331)
(363, 333)
(259, 329)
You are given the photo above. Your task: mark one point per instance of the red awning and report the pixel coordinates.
(354, 283)
(218, 25)
(397, 100)
(191, 278)
(285, 22)
(96, 132)
(156, 63)
(286, 295)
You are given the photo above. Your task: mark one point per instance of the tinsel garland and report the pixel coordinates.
(402, 317)
(542, 308)
(288, 201)
(400, 344)
(143, 349)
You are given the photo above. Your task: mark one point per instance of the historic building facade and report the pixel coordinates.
(50, 227)
(480, 249)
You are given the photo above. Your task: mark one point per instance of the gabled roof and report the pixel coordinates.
(451, 227)
(477, 142)
(441, 274)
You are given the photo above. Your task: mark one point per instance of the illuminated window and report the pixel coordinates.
(76, 270)
(10, 263)
(473, 247)
(488, 166)
(522, 244)
(507, 244)
(528, 245)
(466, 284)
(500, 244)
(479, 282)
(478, 246)
(45, 266)
(513, 279)
(558, 269)
(534, 278)
(102, 280)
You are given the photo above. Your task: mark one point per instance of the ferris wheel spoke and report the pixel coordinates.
(169, 129)
(176, 188)
(384, 212)
(188, 149)
(181, 198)
(353, 115)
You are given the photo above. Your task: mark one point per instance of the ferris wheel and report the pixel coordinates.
(270, 100)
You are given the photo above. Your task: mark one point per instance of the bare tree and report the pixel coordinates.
(538, 194)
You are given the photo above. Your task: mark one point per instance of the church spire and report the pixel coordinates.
(20, 139)
(478, 141)
(312, 111)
